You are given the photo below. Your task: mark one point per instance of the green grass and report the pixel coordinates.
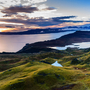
(35, 72)
(38, 76)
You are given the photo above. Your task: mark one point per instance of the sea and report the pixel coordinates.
(13, 43)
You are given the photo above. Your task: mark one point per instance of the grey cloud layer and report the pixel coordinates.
(19, 9)
(14, 10)
(19, 2)
(41, 21)
(64, 17)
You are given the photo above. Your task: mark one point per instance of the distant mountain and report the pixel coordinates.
(86, 26)
(35, 31)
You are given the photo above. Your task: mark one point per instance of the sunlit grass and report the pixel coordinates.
(38, 75)
(35, 72)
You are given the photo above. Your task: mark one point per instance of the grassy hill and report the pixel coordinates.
(35, 72)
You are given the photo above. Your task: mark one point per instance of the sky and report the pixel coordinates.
(21, 15)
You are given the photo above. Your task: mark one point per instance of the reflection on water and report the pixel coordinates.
(13, 43)
(78, 45)
(82, 45)
(57, 64)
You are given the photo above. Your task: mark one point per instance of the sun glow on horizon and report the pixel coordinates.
(4, 29)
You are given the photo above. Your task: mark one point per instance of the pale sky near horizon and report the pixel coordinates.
(19, 15)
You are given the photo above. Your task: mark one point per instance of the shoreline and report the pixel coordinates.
(76, 37)
(31, 32)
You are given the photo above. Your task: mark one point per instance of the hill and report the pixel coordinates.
(35, 72)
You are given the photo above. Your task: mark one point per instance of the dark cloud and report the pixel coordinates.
(49, 8)
(16, 9)
(1, 2)
(35, 21)
(64, 17)
(7, 15)
(63, 21)
(41, 21)
(19, 9)
(9, 26)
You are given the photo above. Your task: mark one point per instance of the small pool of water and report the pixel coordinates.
(57, 64)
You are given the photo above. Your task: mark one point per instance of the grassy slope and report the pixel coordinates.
(39, 76)
(34, 72)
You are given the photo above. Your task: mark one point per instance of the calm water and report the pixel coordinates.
(57, 64)
(78, 45)
(13, 43)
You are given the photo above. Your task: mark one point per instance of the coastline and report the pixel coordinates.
(77, 37)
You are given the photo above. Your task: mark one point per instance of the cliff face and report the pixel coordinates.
(78, 36)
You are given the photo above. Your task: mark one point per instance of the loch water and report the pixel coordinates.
(13, 43)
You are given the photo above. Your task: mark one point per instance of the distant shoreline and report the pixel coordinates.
(77, 37)
(36, 31)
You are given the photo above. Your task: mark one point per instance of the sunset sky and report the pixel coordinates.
(20, 15)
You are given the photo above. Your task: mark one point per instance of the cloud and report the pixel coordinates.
(10, 26)
(64, 17)
(31, 13)
(62, 21)
(41, 21)
(32, 1)
(16, 9)
(29, 8)
(45, 7)
(26, 9)
(49, 8)
(8, 3)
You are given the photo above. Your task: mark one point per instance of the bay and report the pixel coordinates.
(13, 43)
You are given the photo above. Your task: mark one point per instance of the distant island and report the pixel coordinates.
(36, 31)
(49, 30)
